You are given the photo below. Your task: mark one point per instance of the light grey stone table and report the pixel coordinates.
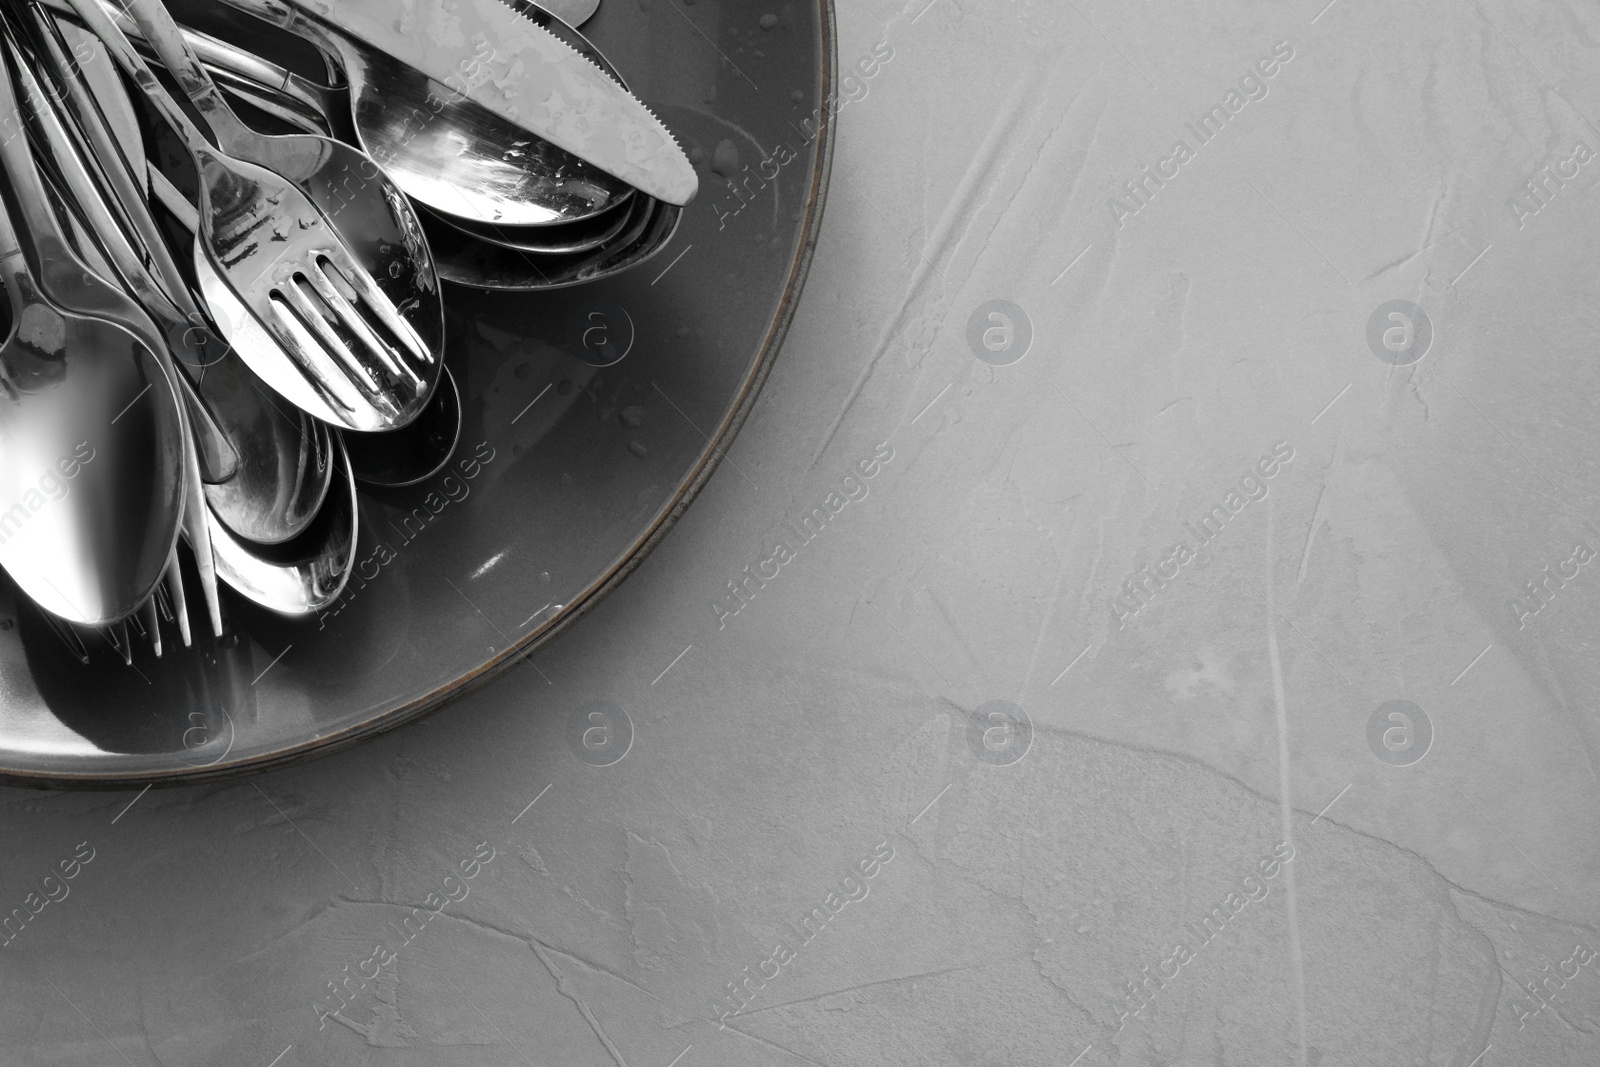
(1195, 508)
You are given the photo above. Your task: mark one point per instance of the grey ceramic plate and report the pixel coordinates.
(567, 472)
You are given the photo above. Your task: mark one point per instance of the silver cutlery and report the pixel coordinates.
(115, 259)
(91, 428)
(280, 470)
(307, 574)
(444, 50)
(465, 260)
(466, 162)
(297, 348)
(318, 287)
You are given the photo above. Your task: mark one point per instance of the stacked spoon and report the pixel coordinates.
(217, 351)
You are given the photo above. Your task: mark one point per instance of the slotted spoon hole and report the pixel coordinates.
(352, 346)
(328, 378)
(313, 298)
(331, 271)
(404, 348)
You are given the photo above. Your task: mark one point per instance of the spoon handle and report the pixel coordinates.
(71, 90)
(111, 234)
(235, 69)
(38, 233)
(226, 62)
(162, 33)
(95, 18)
(13, 268)
(283, 16)
(10, 243)
(113, 242)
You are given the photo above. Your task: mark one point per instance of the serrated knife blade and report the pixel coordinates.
(490, 53)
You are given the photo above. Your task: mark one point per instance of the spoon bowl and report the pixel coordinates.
(90, 459)
(556, 239)
(467, 261)
(283, 477)
(302, 576)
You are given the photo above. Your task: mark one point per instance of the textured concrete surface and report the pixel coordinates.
(1198, 832)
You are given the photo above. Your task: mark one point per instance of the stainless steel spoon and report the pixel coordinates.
(495, 175)
(557, 237)
(340, 277)
(555, 240)
(170, 590)
(91, 429)
(170, 594)
(307, 574)
(513, 258)
(461, 160)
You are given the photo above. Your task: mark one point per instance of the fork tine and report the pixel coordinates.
(317, 275)
(118, 636)
(180, 606)
(196, 529)
(163, 600)
(152, 625)
(199, 534)
(69, 637)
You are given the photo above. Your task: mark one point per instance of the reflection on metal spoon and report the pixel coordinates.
(302, 576)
